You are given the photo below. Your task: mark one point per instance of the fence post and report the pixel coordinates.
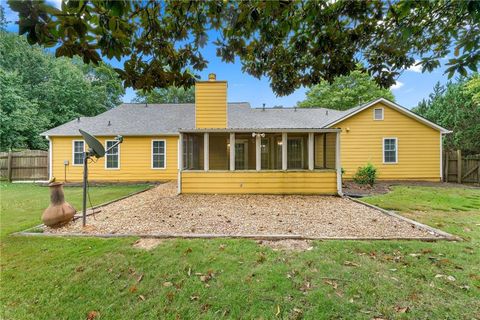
(459, 166)
(446, 164)
(9, 166)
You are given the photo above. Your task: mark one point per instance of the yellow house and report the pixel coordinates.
(217, 147)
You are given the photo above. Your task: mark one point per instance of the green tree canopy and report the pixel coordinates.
(40, 92)
(345, 92)
(293, 43)
(168, 95)
(454, 107)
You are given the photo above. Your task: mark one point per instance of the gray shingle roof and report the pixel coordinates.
(154, 119)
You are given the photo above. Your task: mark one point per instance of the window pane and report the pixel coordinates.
(78, 152)
(193, 151)
(271, 151)
(297, 151)
(378, 114)
(219, 151)
(245, 151)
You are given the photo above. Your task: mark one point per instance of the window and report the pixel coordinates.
(112, 156)
(78, 149)
(297, 151)
(390, 150)
(158, 154)
(378, 114)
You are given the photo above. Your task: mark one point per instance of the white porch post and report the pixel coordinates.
(232, 151)
(180, 163)
(338, 164)
(258, 152)
(206, 161)
(284, 151)
(50, 159)
(441, 157)
(310, 151)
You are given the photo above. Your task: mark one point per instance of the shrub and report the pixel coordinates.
(366, 175)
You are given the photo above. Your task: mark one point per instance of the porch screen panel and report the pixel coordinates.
(271, 151)
(324, 150)
(297, 151)
(193, 151)
(219, 151)
(245, 151)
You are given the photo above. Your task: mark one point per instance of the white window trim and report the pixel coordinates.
(164, 154)
(383, 114)
(117, 168)
(73, 152)
(396, 149)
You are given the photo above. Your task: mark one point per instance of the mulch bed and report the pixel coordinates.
(161, 211)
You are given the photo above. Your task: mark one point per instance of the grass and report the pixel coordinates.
(70, 278)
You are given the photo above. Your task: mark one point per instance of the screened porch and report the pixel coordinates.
(267, 161)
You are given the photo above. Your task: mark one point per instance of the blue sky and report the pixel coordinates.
(412, 86)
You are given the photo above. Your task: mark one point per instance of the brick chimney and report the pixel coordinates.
(211, 103)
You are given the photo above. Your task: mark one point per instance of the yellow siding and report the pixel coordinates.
(295, 182)
(135, 161)
(418, 145)
(211, 104)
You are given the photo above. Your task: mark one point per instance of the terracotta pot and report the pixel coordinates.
(59, 212)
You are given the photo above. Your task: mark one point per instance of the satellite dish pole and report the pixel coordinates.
(95, 149)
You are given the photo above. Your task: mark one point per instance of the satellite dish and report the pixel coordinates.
(96, 148)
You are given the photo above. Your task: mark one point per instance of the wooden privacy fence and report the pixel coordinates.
(24, 165)
(460, 169)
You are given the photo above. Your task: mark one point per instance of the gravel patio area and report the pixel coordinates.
(161, 211)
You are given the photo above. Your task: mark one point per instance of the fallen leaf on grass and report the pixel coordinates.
(222, 247)
(401, 309)
(334, 284)
(207, 277)
(278, 310)
(350, 264)
(133, 289)
(141, 297)
(194, 297)
(92, 315)
(167, 284)
(140, 277)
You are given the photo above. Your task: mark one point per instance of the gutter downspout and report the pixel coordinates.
(338, 165)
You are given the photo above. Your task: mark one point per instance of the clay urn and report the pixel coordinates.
(59, 212)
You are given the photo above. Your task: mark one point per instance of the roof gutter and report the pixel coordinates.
(273, 130)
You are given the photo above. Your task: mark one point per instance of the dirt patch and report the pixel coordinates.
(148, 243)
(381, 187)
(287, 245)
(160, 211)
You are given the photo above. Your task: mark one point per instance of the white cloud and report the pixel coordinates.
(416, 67)
(397, 85)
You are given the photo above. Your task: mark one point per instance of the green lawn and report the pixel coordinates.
(68, 278)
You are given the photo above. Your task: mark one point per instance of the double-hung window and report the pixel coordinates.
(158, 154)
(78, 149)
(390, 150)
(112, 156)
